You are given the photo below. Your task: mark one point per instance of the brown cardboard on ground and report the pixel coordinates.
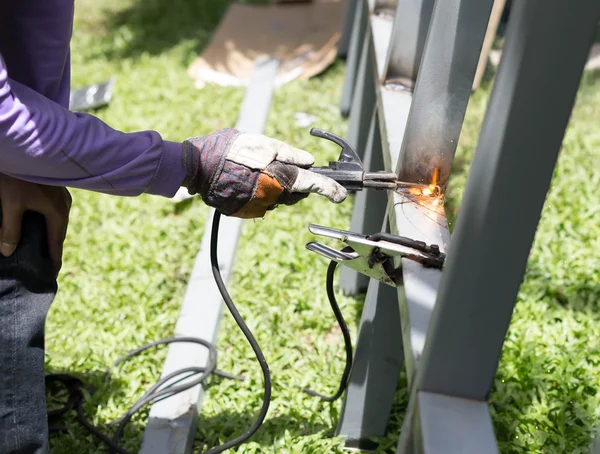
(303, 36)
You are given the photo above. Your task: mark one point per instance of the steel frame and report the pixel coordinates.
(451, 341)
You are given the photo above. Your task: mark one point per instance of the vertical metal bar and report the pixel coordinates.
(544, 55)
(369, 208)
(442, 89)
(377, 363)
(363, 101)
(357, 37)
(411, 23)
(347, 25)
(425, 222)
(173, 421)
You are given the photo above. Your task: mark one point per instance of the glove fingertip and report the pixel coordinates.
(339, 195)
(303, 158)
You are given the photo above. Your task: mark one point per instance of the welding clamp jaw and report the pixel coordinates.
(348, 170)
(374, 255)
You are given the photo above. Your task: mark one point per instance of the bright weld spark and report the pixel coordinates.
(431, 190)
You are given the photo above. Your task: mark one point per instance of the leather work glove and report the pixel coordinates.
(244, 175)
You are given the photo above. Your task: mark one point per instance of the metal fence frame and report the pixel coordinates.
(410, 71)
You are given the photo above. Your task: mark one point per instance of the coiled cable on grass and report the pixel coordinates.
(169, 385)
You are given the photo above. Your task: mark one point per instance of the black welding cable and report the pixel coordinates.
(347, 340)
(167, 386)
(251, 340)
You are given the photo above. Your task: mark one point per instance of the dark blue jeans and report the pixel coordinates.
(27, 288)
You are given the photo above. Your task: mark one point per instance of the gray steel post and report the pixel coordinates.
(544, 55)
(363, 101)
(442, 89)
(355, 46)
(377, 363)
(347, 25)
(369, 208)
(411, 23)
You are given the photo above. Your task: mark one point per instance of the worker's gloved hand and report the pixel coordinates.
(244, 175)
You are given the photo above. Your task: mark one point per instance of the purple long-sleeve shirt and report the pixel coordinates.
(41, 140)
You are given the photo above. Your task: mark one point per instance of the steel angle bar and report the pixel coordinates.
(347, 25)
(407, 217)
(173, 421)
(394, 107)
(359, 27)
(442, 89)
(369, 209)
(411, 23)
(420, 220)
(363, 101)
(377, 363)
(453, 425)
(393, 102)
(547, 43)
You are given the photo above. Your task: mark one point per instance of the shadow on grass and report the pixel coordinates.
(231, 424)
(67, 434)
(158, 25)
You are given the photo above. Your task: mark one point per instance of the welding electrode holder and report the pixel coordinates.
(348, 170)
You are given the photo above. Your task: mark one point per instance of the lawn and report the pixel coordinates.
(127, 261)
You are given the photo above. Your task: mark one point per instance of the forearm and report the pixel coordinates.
(42, 142)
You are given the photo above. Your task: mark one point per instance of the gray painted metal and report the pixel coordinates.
(346, 32)
(393, 102)
(409, 216)
(172, 422)
(452, 425)
(419, 133)
(520, 139)
(420, 220)
(442, 89)
(352, 60)
(369, 209)
(377, 364)
(363, 101)
(411, 23)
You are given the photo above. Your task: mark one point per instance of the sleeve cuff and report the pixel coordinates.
(170, 173)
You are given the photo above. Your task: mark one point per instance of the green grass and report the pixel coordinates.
(127, 261)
